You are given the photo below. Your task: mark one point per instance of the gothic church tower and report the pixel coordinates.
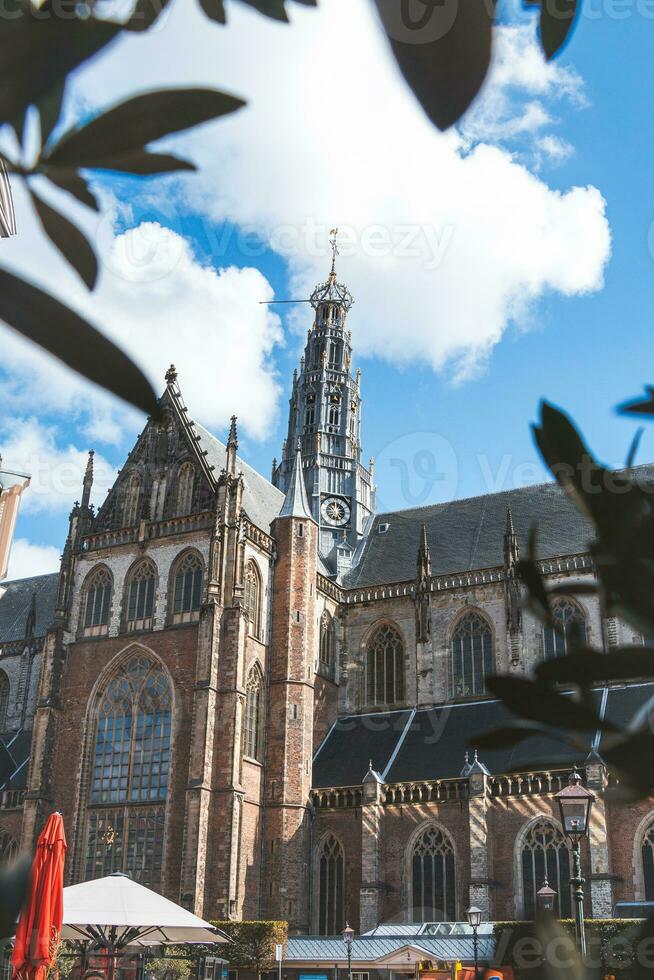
(324, 423)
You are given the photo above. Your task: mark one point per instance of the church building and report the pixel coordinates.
(257, 697)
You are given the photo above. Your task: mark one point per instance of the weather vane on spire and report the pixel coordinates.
(333, 241)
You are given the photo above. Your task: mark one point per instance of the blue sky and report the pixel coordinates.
(453, 363)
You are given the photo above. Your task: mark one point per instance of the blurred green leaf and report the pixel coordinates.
(633, 448)
(444, 54)
(145, 14)
(75, 184)
(13, 889)
(138, 162)
(591, 667)
(538, 702)
(131, 125)
(639, 406)
(271, 8)
(529, 572)
(214, 9)
(59, 330)
(38, 48)
(69, 240)
(557, 18)
(49, 106)
(633, 758)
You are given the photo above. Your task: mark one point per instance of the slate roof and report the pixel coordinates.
(261, 500)
(466, 535)
(431, 743)
(331, 949)
(16, 601)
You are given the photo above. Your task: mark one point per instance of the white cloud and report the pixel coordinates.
(27, 559)
(450, 241)
(161, 305)
(555, 149)
(56, 470)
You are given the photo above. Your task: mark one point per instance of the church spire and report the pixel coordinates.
(296, 503)
(424, 556)
(88, 480)
(232, 446)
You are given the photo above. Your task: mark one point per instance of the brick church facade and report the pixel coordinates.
(255, 696)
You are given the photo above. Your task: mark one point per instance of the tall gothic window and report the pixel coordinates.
(334, 415)
(129, 777)
(472, 655)
(96, 602)
(310, 413)
(253, 598)
(140, 597)
(545, 855)
(647, 852)
(185, 481)
(569, 624)
(327, 650)
(4, 700)
(331, 887)
(252, 721)
(333, 353)
(187, 588)
(131, 500)
(432, 877)
(385, 667)
(8, 847)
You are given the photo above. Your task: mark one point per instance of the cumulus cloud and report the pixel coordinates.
(161, 305)
(28, 559)
(450, 238)
(56, 470)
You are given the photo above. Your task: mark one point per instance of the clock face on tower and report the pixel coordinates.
(335, 511)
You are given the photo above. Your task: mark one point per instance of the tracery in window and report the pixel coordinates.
(96, 602)
(131, 508)
(129, 773)
(327, 648)
(187, 588)
(331, 880)
(8, 847)
(647, 854)
(569, 623)
(472, 655)
(385, 667)
(433, 877)
(545, 855)
(185, 482)
(252, 719)
(252, 598)
(140, 597)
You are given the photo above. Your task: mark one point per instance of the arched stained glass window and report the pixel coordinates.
(569, 623)
(385, 667)
(187, 588)
(4, 699)
(129, 776)
(647, 852)
(185, 482)
(253, 598)
(8, 847)
(432, 876)
(472, 655)
(545, 855)
(327, 648)
(140, 597)
(331, 886)
(252, 720)
(96, 602)
(131, 501)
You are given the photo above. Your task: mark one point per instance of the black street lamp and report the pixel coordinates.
(575, 803)
(546, 898)
(474, 920)
(348, 936)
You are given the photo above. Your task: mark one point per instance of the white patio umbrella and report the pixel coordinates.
(114, 912)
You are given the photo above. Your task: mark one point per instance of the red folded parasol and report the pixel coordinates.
(39, 926)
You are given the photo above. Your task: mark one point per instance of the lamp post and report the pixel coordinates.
(575, 803)
(474, 920)
(348, 936)
(545, 899)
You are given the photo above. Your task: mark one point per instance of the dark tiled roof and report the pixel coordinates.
(16, 602)
(353, 743)
(261, 500)
(466, 535)
(431, 743)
